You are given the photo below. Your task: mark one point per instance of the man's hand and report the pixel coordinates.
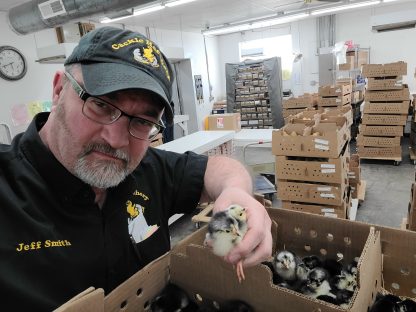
(256, 245)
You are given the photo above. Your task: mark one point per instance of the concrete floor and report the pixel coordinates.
(387, 193)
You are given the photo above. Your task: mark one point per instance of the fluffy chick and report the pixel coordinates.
(226, 229)
(317, 284)
(285, 264)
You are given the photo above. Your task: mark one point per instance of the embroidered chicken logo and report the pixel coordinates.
(147, 56)
(132, 210)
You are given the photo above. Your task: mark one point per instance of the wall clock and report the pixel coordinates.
(12, 63)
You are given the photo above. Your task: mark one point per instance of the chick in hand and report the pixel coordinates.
(226, 229)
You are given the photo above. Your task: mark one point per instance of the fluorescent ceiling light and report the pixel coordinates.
(385, 1)
(254, 25)
(148, 10)
(178, 2)
(345, 7)
(135, 13)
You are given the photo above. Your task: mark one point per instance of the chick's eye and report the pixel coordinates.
(228, 231)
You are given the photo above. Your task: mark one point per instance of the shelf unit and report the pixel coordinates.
(254, 89)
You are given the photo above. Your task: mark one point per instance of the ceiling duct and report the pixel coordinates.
(393, 21)
(36, 15)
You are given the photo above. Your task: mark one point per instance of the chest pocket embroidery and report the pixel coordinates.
(138, 227)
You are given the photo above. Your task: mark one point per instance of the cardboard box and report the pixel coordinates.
(361, 56)
(380, 152)
(354, 172)
(307, 100)
(380, 70)
(326, 194)
(386, 108)
(381, 130)
(329, 142)
(331, 170)
(390, 95)
(338, 90)
(322, 210)
(385, 83)
(291, 112)
(377, 141)
(330, 211)
(345, 111)
(335, 101)
(208, 277)
(393, 120)
(230, 121)
(349, 65)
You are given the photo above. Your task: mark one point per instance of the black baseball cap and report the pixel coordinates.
(114, 59)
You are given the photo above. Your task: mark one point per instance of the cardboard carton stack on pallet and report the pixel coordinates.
(385, 112)
(312, 156)
(295, 105)
(334, 96)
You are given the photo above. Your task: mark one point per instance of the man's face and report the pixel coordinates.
(100, 155)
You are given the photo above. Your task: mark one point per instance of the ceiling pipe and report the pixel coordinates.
(28, 18)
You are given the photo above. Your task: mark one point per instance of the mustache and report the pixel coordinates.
(105, 149)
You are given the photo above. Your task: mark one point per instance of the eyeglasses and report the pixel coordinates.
(105, 113)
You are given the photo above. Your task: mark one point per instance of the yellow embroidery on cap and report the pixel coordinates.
(126, 43)
(146, 56)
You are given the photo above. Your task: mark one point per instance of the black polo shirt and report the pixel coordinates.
(56, 242)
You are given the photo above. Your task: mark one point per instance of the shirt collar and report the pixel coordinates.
(58, 178)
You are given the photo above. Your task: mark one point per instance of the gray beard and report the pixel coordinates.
(102, 173)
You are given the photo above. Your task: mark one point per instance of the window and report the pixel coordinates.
(269, 47)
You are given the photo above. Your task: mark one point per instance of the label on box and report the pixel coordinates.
(320, 141)
(338, 90)
(220, 122)
(327, 195)
(322, 147)
(324, 189)
(328, 210)
(331, 215)
(329, 166)
(337, 101)
(328, 171)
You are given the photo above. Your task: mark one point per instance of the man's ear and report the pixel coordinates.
(58, 83)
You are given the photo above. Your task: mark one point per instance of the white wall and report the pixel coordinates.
(36, 85)
(384, 47)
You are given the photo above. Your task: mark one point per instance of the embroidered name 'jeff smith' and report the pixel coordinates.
(45, 244)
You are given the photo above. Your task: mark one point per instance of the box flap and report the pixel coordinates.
(90, 299)
(136, 292)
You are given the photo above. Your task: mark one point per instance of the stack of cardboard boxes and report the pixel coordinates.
(334, 96)
(385, 112)
(312, 156)
(295, 105)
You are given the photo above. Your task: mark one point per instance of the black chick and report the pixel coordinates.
(385, 303)
(235, 306)
(317, 284)
(172, 299)
(305, 266)
(407, 305)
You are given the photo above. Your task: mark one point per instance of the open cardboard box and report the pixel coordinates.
(329, 143)
(207, 277)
